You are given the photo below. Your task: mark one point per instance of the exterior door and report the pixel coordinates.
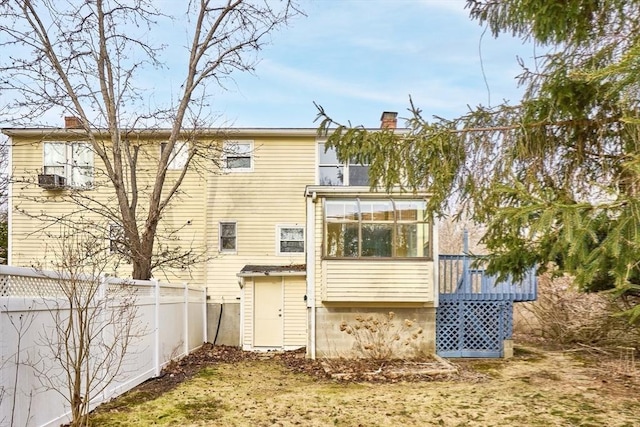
(267, 323)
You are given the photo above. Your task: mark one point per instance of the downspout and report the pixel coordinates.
(8, 171)
(311, 270)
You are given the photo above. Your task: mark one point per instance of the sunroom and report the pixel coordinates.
(367, 252)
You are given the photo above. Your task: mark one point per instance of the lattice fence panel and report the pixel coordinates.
(473, 328)
(24, 286)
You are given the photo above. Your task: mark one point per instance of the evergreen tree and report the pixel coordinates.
(555, 177)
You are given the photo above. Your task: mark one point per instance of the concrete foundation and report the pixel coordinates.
(223, 323)
(412, 339)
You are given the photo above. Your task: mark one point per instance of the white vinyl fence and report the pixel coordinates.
(170, 322)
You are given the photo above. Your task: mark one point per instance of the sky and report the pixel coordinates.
(358, 58)
(355, 58)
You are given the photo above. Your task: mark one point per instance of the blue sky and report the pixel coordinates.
(358, 58)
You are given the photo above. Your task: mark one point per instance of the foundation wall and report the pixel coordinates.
(413, 339)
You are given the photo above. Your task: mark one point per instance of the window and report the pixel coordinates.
(228, 237)
(117, 242)
(71, 160)
(364, 228)
(290, 239)
(238, 156)
(179, 155)
(332, 172)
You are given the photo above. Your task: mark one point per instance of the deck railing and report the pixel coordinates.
(464, 277)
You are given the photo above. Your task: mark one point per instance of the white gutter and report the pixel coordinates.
(361, 191)
(9, 173)
(311, 273)
(271, 273)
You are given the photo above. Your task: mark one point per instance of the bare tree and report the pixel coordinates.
(85, 59)
(93, 328)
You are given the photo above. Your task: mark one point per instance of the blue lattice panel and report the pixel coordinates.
(473, 328)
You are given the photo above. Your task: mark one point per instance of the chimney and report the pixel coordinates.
(72, 122)
(389, 120)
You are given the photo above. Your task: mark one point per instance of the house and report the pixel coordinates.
(296, 243)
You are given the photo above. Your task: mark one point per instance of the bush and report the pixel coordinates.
(382, 337)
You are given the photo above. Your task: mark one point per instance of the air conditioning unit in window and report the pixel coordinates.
(51, 181)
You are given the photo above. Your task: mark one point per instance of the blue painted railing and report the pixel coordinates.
(462, 277)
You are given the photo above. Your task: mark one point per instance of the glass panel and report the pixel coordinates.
(341, 210)
(227, 236)
(227, 229)
(239, 149)
(342, 240)
(376, 210)
(55, 154)
(328, 158)
(289, 246)
(179, 155)
(228, 243)
(376, 240)
(82, 154)
(81, 176)
(54, 170)
(292, 233)
(359, 175)
(411, 210)
(331, 175)
(238, 162)
(406, 240)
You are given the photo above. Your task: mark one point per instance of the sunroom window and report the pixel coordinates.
(367, 228)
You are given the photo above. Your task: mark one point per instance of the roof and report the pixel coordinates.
(273, 270)
(165, 132)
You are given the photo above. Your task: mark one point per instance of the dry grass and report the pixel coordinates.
(568, 318)
(532, 389)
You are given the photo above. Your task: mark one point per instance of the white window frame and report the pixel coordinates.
(235, 246)
(179, 155)
(279, 228)
(68, 164)
(320, 147)
(228, 150)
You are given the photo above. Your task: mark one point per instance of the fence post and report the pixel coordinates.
(186, 318)
(156, 344)
(205, 333)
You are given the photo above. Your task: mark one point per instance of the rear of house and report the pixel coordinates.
(296, 243)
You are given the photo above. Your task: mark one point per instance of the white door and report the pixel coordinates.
(267, 312)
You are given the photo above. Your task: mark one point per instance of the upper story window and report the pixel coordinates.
(179, 155)
(71, 160)
(238, 156)
(332, 172)
(365, 228)
(290, 239)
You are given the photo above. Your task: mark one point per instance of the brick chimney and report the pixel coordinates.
(72, 122)
(389, 120)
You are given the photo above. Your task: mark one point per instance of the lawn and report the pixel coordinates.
(536, 388)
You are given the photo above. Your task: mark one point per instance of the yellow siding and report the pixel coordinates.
(33, 244)
(295, 312)
(246, 333)
(272, 194)
(377, 281)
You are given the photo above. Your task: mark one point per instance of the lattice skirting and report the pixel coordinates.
(473, 328)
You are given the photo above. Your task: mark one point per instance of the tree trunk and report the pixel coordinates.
(141, 268)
